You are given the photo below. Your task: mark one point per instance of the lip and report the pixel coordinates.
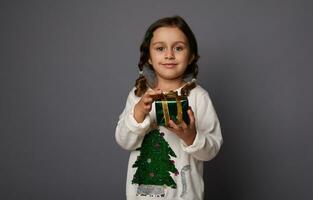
(169, 65)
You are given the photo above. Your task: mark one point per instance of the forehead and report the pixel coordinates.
(168, 35)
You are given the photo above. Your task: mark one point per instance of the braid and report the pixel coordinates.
(193, 67)
(141, 86)
(141, 82)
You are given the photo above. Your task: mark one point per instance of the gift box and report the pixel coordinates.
(171, 106)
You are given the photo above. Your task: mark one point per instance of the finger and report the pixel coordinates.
(183, 125)
(159, 91)
(153, 92)
(149, 91)
(171, 129)
(147, 107)
(191, 118)
(177, 132)
(147, 100)
(190, 113)
(172, 124)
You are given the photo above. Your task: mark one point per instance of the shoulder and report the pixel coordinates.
(132, 92)
(198, 91)
(201, 103)
(131, 95)
(199, 96)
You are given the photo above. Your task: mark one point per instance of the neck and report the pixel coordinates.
(168, 85)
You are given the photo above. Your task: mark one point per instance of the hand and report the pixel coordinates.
(144, 105)
(186, 132)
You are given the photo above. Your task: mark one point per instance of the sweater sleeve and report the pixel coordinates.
(209, 139)
(129, 133)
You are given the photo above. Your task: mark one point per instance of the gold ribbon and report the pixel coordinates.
(165, 108)
(179, 110)
(166, 113)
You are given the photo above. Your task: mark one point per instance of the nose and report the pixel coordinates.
(170, 54)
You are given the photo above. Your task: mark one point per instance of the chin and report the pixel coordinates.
(171, 77)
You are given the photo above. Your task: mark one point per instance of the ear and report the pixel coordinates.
(150, 62)
(191, 58)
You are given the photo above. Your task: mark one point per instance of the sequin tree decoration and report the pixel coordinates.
(154, 164)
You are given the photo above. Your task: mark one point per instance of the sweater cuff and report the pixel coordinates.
(197, 144)
(134, 126)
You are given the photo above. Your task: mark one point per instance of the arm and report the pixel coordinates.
(208, 139)
(129, 133)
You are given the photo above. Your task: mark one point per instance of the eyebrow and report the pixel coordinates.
(164, 43)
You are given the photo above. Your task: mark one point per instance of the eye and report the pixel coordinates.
(179, 48)
(160, 48)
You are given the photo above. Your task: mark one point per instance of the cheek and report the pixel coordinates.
(155, 58)
(185, 57)
(152, 58)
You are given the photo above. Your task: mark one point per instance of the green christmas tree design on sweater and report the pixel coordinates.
(154, 164)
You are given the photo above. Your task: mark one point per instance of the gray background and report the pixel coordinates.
(66, 69)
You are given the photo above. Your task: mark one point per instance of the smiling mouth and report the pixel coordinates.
(169, 65)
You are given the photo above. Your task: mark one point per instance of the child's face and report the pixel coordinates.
(169, 53)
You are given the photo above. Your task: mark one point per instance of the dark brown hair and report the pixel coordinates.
(192, 68)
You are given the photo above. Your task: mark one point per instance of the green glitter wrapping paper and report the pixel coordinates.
(172, 108)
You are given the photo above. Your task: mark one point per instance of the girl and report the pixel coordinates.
(167, 162)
